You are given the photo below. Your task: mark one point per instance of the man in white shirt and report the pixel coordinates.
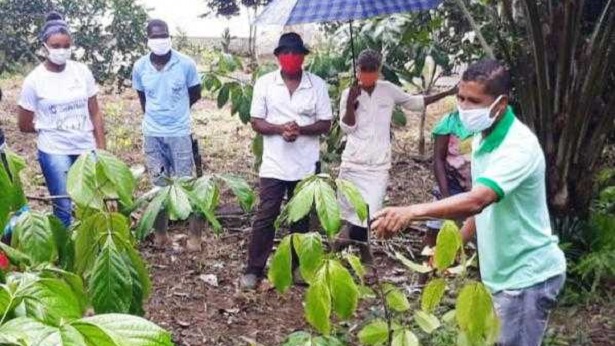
(366, 110)
(290, 109)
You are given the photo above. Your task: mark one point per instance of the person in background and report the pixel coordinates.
(168, 85)
(58, 102)
(291, 109)
(452, 161)
(520, 260)
(366, 110)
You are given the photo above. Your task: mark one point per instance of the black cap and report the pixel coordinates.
(292, 41)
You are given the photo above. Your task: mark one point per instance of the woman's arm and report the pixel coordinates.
(25, 119)
(97, 121)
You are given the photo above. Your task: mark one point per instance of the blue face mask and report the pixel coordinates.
(478, 119)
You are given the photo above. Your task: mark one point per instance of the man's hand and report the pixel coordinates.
(391, 220)
(353, 94)
(290, 131)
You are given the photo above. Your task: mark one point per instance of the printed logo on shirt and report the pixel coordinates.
(70, 115)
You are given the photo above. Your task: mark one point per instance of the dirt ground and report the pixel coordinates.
(196, 295)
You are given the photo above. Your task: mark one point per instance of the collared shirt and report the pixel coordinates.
(167, 106)
(516, 244)
(368, 143)
(59, 101)
(310, 103)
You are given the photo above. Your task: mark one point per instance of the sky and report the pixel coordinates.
(184, 14)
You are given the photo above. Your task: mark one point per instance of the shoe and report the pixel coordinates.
(248, 282)
(366, 255)
(193, 244)
(343, 239)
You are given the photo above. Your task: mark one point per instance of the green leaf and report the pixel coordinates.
(375, 333)
(399, 117)
(366, 292)
(208, 214)
(449, 317)
(242, 190)
(396, 299)
(405, 337)
(16, 257)
(34, 237)
(353, 195)
(447, 245)
(122, 330)
(426, 321)
(355, 264)
(327, 208)
(178, 202)
(74, 281)
(257, 150)
(475, 313)
(223, 95)
(50, 300)
(309, 249)
(110, 283)
(6, 300)
(87, 241)
(318, 303)
(64, 243)
(419, 268)
(119, 174)
(12, 197)
(280, 270)
(300, 205)
(206, 193)
(432, 295)
(146, 223)
(344, 291)
(31, 331)
(81, 183)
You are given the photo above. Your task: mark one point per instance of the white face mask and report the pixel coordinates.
(58, 56)
(159, 46)
(478, 119)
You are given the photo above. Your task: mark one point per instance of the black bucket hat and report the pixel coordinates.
(292, 41)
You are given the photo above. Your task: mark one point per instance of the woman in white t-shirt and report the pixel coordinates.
(58, 102)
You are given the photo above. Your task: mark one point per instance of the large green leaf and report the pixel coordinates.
(475, 314)
(327, 208)
(146, 223)
(178, 202)
(119, 174)
(280, 270)
(396, 299)
(355, 264)
(206, 193)
(447, 245)
(207, 213)
(74, 281)
(309, 249)
(12, 197)
(6, 300)
(34, 237)
(344, 291)
(318, 303)
(300, 205)
(428, 322)
(405, 337)
(432, 295)
(64, 243)
(88, 237)
(16, 257)
(375, 333)
(122, 330)
(31, 331)
(242, 190)
(50, 300)
(82, 185)
(110, 283)
(353, 195)
(141, 284)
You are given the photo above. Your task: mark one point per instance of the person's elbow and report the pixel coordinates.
(480, 198)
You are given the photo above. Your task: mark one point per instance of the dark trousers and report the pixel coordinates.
(271, 193)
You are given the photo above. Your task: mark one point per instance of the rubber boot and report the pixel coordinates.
(361, 235)
(161, 226)
(196, 232)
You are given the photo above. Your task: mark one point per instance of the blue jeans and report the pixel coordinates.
(168, 157)
(524, 313)
(55, 169)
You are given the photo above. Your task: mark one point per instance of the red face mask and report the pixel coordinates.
(291, 63)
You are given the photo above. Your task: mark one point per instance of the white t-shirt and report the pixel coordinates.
(368, 143)
(59, 101)
(309, 103)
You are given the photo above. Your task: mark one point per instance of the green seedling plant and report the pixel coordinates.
(54, 275)
(184, 196)
(332, 288)
(473, 317)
